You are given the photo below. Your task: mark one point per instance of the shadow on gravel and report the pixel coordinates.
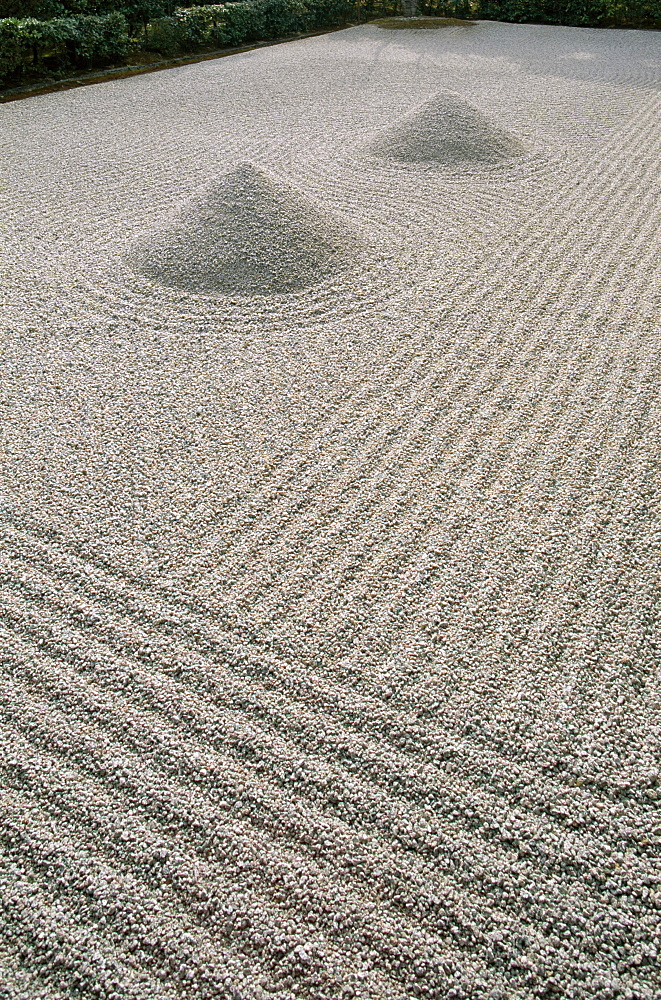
(246, 234)
(446, 130)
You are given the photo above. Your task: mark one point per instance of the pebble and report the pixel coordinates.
(329, 573)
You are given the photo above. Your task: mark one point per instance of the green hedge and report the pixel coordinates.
(35, 47)
(195, 29)
(581, 13)
(31, 48)
(138, 13)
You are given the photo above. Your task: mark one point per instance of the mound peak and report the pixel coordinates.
(446, 130)
(247, 233)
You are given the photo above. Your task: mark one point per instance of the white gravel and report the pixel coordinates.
(331, 473)
(448, 131)
(246, 234)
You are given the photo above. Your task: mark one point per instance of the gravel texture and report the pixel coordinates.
(448, 131)
(246, 234)
(330, 616)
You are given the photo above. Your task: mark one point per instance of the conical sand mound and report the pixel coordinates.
(248, 234)
(446, 130)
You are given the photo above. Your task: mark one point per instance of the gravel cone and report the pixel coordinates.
(446, 130)
(247, 234)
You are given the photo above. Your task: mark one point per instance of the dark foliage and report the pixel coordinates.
(37, 47)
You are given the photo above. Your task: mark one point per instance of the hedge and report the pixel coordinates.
(33, 47)
(194, 29)
(29, 45)
(580, 13)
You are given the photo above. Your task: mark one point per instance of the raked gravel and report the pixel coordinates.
(331, 562)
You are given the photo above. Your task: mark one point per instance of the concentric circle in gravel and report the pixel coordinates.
(329, 621)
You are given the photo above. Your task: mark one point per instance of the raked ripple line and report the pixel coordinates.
(329, 585)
